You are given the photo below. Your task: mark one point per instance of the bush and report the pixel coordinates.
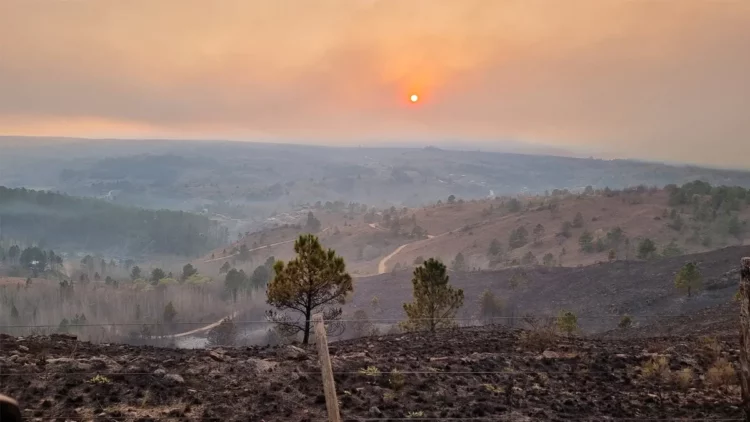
(721, 373)
(396, 380)
(684, 378)
(657, 368)
(625, 323)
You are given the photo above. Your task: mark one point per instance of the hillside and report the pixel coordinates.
(614, 221)
(599, 294)
(83, 224)
(489, 374)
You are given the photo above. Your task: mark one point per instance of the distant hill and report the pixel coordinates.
(253, 180)
(84, 224)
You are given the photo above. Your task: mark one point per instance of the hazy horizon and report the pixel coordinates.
(662, 81)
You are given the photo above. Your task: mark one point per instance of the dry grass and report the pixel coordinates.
(721, 373)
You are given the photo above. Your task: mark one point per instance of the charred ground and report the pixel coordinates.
(486, 373)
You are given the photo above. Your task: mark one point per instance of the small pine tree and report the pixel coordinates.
(135, 273)
(578, 221)
(169, 313)
(315, 280)
(538, 234)
(225, 268)
(13, 311)
(567, 322)
(586, 241)
(689, 278)
(459, 264)
(490, 307)
(435, 301)
(611, 255)
(646, 249)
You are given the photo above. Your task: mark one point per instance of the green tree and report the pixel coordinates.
(225, 268)
(578, 220)
(625, 323)
(135, 273)
(538, 234)
(452, 199)
(518, 237)
(156, 275)
(646, 249)
(548, 260)
(459, 263)
(567, 322)
(495, 249)
(313, 224)
(586, 242)
(566, 229)
(529, 259)
(435, 301)
(672, 250)
(13, 252)
(689, 278)
(187, 271)
(170, 313)
(260, 277)
(314, 281)
(490, 307)
(234, 281)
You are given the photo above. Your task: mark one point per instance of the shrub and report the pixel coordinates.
(100, 379)
(396, 380)
(625, 323)
(657, 368)
(721, 373)
(684, 378)
(225, 334)
(370, 371)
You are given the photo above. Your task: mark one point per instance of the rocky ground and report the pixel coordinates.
(477, 373)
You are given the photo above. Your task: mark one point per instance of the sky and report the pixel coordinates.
(651, 79)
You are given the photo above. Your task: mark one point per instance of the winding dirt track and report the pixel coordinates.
(199, 330)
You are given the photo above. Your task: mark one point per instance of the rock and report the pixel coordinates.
(160, 372)
(70, 363)
(176, 378)
(295, 353)
(262, 365)
(23, 348)
(216, 356)
(549, 354)
(374, 411)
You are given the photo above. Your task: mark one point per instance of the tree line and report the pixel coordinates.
(67, 222)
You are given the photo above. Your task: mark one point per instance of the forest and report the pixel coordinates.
(72, 223)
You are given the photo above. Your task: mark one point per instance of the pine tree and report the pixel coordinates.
(459, 264)
(578, 220)
(688, 278)
(490, 307)
(435, 301)
(312, 282)
(169, 313)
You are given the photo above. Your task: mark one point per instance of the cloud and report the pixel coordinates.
(659, 80)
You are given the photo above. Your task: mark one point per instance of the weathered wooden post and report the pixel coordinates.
(329, 386)
(745, 335)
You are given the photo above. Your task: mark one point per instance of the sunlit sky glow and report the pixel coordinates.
(667, 80)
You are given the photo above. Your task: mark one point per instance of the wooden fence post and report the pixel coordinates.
(329, 386)
(745, 335)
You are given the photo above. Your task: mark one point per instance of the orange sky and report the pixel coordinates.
(650, 79)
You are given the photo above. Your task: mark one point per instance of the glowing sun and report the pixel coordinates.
(414, 98)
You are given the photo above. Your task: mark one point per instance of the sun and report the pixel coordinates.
(414, 98)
